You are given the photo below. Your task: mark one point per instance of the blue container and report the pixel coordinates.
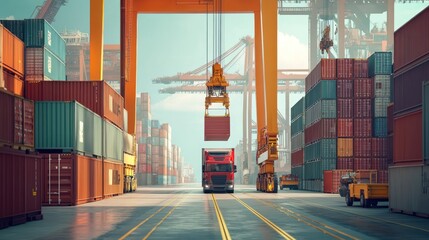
(379, 127)
(380, 63)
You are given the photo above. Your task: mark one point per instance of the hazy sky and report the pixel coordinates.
(169, 44)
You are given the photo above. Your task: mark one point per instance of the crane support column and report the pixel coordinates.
(96, 39)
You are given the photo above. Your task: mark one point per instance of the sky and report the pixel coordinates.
(171, 44)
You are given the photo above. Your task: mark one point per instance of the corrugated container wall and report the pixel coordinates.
(325, 89)
(322, 109)
(41, 64)
(17, 27)
(380, 107)
(380, 63)
(216, 128)
(324, 128)
(407, 139)
(382, 86)
(113, 178)
(345, 68)
(113, 144)
(326, 69)
(11, 52)
(298, 109)
(426, 122)
(360, 69)
(380, 127)
(345, 88)
(67, 127)
(11, 82)
(320, 150)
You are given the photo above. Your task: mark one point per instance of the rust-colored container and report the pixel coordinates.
(407, 51)
(20, 188)
(298, 158)
(345, 88)
(407, 139)
(13, 83)
(363, 108)
(11, 52)
(345, 127)
(28, 123)
(390, 109)
(345, 163)
(379, 163)
(324, 128)
(345, 108)
(362, 127)
(362, 148)
(345, 68)
(360, 68)
(95, 95)
(216, 128)
(71, 179)
(326, 69)
(379, 147)
(383, 176)
(331, 180)
(345, 147)
(362, 164)
(113, 178)
(363, 88)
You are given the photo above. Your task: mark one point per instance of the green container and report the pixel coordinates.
(15, 26)
(40, 34)
(322, 149)
(426, 122)
(113, 143)
(297, 109)
(313, 170)
(380, 63)
(325, 89)
(322, 109)
(297, 125)
(67, 127)
(54, 68)
(329, 164)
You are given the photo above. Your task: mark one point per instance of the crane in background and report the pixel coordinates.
(49, 10)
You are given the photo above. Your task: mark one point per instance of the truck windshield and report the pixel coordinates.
(219, 168)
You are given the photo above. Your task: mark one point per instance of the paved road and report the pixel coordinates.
(184, 212)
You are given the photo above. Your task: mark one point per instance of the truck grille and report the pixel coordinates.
(218, 180)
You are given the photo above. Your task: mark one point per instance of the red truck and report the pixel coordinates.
(218, 170)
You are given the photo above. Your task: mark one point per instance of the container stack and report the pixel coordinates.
(143, 135)
(156, 152)
(320, 124)
(297, 146)
(164, 166)
(410, 118)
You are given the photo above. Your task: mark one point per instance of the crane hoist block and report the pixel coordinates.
(216, 128)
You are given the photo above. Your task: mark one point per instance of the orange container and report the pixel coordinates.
(11, 52)
(216, 128)
(13, 83)
(345, 147)
(113, 178)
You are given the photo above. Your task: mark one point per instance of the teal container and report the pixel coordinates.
(67, 127)
(380, 63)
(322, 149)
(40, 34)
(297, 126)
(325, 89)
(329, 164)
(426, 122)
(297, 171)
(297, 109)
(113, 143)
(15, 26)
(382, 84)
(54, 68)
(322, 109)
(162, 179)
(155, 124)
(379, 127)
(313, 170)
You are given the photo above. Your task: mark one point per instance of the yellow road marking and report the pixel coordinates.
(222, 225)
(283, 233)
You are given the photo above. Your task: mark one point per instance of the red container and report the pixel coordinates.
(345, 163)
(390, 109)
(326, 69)
(379, 163)
(362, 164)
(407, 51)
(71, 179)
(363, 88)
(12, 52)
(345, 127)
(139, 126)
(345, 68)
(28, 123)
(362, 148)
(345, 108)
(13, 83)
(95, 95)
(379, 147)
(216, 128)
(390, 149)
(383, 176)
(362, 127)
(360, 68)
(363, 108)
(407, 139)
(331, 180)
(113, 178)
(324, 128)
(345, 88)
(20, 191)
(297, 158)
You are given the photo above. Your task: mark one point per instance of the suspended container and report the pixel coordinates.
(380, 63)
(216, 128)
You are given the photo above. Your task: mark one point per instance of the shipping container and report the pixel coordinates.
(332, 178)
(390, 109)
(406, 181)
(322, 109)
(363, 108)
(345, 127)
(345, 163)
(408, 87)
(113, 178)
(380, 63)
(362, 148)
(216, 128)
(67, 127)
(322, 149)
(297, 110)
(297, 125)
(297, 141)
(11, 52)
(324, 128)
(71, 179)
(345, 147)
(383, 176)
(16, 27)
(426, 122)
(20, 191)
(129, 143)
(362, 163)
(298, 171)
(380, 127)
(113, 143)
(41, 64)
(345, 108)
(379, 163)
(360, 69)
(345, 88)
(380, 107)
(410, 40)
(326, 69)
(382, 86)
(363, 88)
(12, 83)
(345, 68)
(314, 184)
(297, 158)
(379, 147)
(95, 95)
(325, 89)
(312, 170)
(362, 127)
(407, 139)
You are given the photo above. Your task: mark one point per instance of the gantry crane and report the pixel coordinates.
(49, 9)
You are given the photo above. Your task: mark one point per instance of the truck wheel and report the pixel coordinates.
(349, 201)
(205, 191)
(230, 191)
(374, 203)
(363, 202)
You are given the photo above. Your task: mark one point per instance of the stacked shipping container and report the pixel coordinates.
(143, 135)
(297, 145)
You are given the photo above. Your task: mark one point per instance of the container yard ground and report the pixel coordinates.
(184, 212)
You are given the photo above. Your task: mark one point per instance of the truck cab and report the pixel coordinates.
(218, 170)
